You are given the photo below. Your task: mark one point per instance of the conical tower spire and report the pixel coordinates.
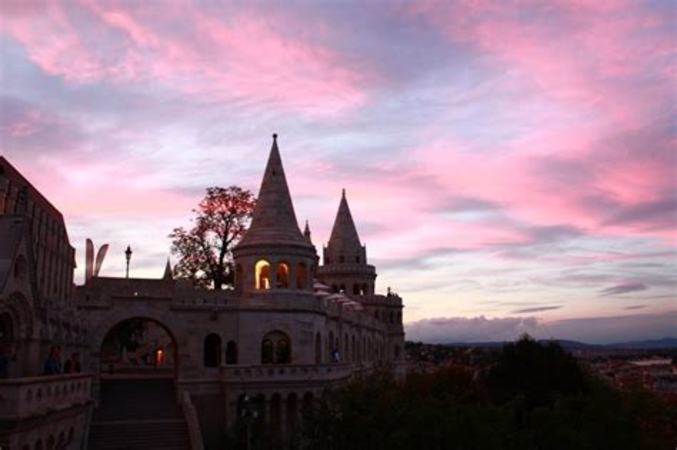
(306, 233)
(169, 273)
(344, 235)
(274, 220)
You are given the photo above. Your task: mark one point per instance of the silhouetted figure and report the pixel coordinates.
(73, 364)
(53, 362)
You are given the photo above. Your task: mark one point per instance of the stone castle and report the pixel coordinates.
(264, 351)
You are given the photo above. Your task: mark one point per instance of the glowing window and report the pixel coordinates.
(282, 275)
(262, 270)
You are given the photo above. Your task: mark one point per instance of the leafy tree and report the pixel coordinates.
(205, 251)
(537, 373)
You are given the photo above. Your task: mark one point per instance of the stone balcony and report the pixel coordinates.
(22, 398)
(276, 373)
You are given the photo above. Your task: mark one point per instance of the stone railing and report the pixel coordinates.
(192, 421)
(25, 397)
(320, 372)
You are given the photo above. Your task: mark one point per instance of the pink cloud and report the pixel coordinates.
(238, 56)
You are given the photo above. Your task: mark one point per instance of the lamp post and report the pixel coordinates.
(128, 257)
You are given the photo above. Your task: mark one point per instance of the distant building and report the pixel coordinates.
(267, 349)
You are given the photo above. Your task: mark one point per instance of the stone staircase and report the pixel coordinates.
(138, 414)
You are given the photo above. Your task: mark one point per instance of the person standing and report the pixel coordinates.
(53, 361)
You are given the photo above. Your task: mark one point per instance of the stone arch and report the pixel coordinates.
(276, 348)
(282, 275)
(109, 319)
(301, 276)
(17, 310)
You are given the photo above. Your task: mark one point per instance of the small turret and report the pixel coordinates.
(306, 233)
(345, 258)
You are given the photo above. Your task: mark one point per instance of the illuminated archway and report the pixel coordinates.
(262, 274)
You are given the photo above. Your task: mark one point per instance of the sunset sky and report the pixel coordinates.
(511, 166)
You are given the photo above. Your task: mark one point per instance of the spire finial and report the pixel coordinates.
(169, 273)
(274, 136)
(343, 192)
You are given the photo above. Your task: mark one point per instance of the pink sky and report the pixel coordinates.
(510, 164)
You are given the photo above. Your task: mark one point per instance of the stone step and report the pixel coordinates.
(138, 415)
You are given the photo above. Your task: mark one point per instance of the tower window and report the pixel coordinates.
(342, 259)
(282, 275)
(262, 273)
(357, 259)
(301, 276)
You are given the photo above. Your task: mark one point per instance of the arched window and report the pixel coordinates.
(376, 314)
(356, 289)
(399, 317)
(231, 352)
(346, 347)
(357, 259)
(282, 275)
(342, 259)
(276, 348)
(365, 290)
(262, 274)
(397, 352)
(330, 347)
(282, 352)
(301, 276)
(392, 317)
(342, 288)
(334, 288)
(212, 350)
(318, 348)
(267, 351)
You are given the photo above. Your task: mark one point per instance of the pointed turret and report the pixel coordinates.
(306, 233)
(274, 220)
(344, 241)
(345, 258)
(169, 274)
(274, 254)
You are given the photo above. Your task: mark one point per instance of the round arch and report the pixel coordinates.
(109, 319)
(159, 355)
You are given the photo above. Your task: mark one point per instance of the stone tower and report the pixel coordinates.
(274, 255)
(345, 258)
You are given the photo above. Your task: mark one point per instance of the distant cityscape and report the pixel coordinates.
(648, 365)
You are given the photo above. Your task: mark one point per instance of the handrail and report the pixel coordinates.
(190, 414)
(30, 396)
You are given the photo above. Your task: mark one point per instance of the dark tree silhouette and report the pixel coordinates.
(205, 251)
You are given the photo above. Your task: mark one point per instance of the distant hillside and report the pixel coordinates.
(668, 342)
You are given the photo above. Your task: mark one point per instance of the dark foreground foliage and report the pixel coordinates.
(533, 397)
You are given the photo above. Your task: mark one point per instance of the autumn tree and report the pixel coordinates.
(205, 251)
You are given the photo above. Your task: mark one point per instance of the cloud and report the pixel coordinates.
(536, 309)
(623, 288)
(593, 330)
(220, 54)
